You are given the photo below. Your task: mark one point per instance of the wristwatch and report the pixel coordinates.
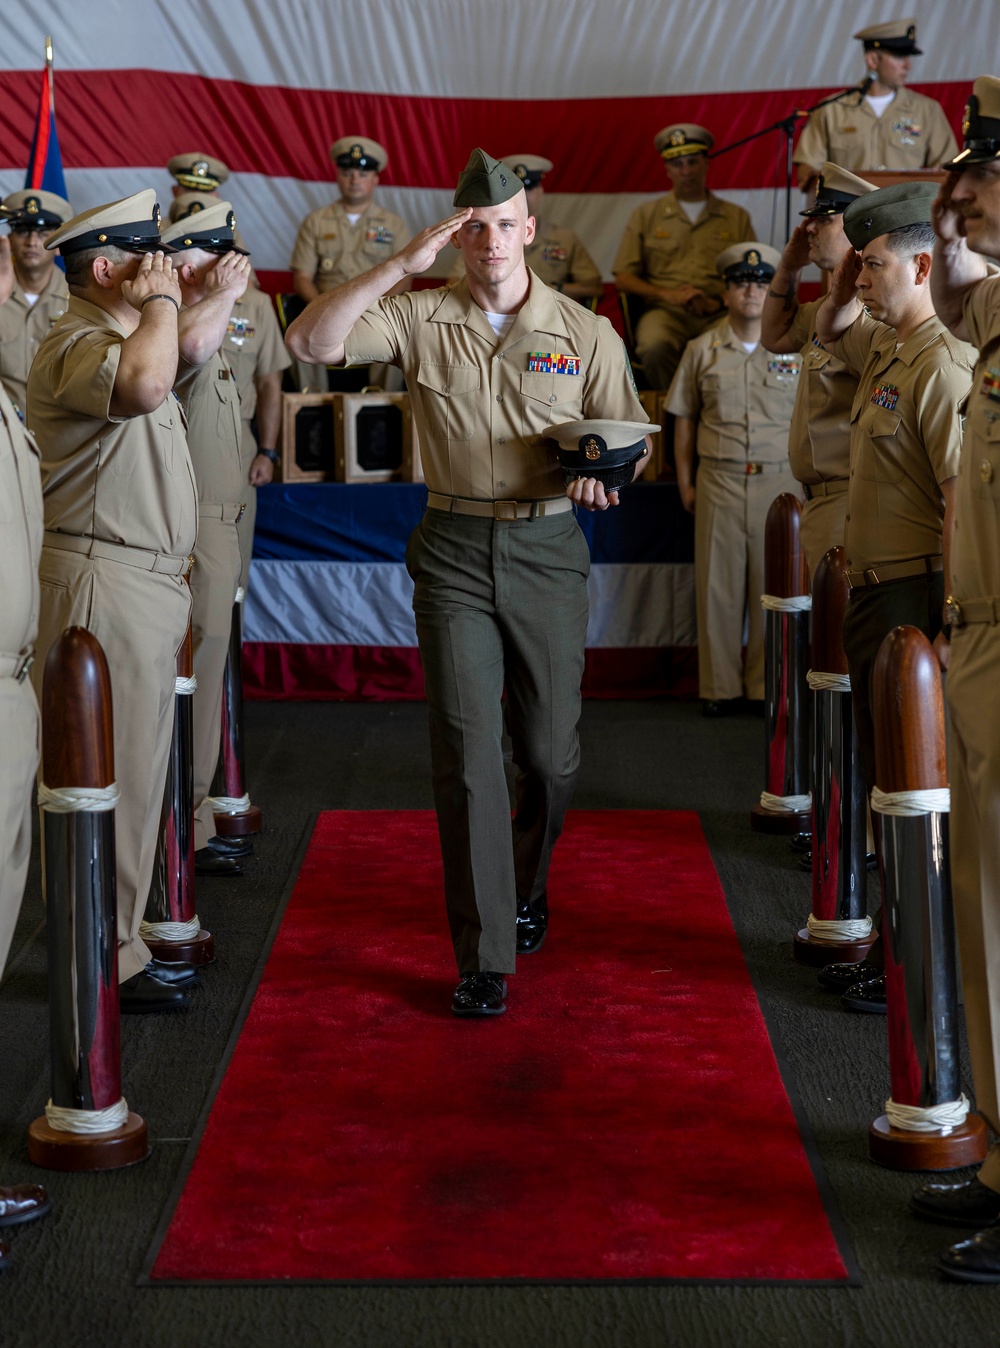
(271, 454)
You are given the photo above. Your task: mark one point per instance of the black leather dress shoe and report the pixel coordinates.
(531, 924)
(480, 994)
(22, 1203)
(231, 847)
(713, 708)
(866, 997)
(839, 977)
(207, 862)
(176, 974)
(974, 1260)
(144, 994)
(969, 1204)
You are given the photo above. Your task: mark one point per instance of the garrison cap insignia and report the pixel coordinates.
(986, 471)
(592, 446)
(868, 223)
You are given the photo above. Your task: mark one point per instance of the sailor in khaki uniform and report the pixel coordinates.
(33, 290)
(819, 439)
(668, 251)
(213, 274)
(967, 295)
(120, 521)
(256, 354)
(555, 254)
(499, 564)
(733, 402)
(887, 127)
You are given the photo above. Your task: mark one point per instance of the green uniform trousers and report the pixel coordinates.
(499, 605)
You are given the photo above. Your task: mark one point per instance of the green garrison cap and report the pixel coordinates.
(486, 182)
(889, 208)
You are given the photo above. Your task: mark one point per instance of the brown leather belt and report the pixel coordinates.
(228, 514)
(163, 563)
(16, 666)
(746, 469)
(499, 510)
(962, 612)
(879, 575)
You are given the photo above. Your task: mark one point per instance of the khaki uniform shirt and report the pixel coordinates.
(333, 250)
(22, 327)
(555, 255)
(906, 435)
(662, 246)
(21, 530)
(253, 347)
(912, 133)
(480, 406)
(975, 549)
(211, 402)
(742, 403)
(123, 480)
(819, 439)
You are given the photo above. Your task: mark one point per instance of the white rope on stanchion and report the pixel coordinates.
(929, 1119)
(78, 799)
(828, 683)
(796, 603)
(839, 929)
(65, 1120)
(786, 804)
(228, 804)
(241, 594)
(170, 931)
(185, 684)
(912, 804)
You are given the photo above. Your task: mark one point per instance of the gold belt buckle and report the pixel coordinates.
(22, 673)
(241, 512)
(498, 506)
(953, 612)
(190, 564)
(753, 469)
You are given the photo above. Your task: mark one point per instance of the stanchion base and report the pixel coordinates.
(899, 1150)
(239, 825)
(817, 950)
(88, 1151)
(198, 949)
(770, 821)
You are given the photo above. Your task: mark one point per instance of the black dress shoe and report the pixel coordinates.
(714, 707)
(22, 1203)
(230, 847)
(974, 1260)
(207, 862)
(142, 993)
(866, 997)
(969, 1204)
(176, 974)
(839, 977)
(531, 924)
(801, 842)
(480, 994)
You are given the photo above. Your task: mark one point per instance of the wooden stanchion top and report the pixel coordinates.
(831, 591)
(785, 571)
(77, 725)
(908, 708)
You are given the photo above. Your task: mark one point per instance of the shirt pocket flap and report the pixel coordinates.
(884, 423)
(552, 388)
(449, 380)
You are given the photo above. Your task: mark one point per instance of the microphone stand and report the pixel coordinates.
(787, 125)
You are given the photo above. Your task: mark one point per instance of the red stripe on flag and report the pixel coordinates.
(597, 145)
(40, 143)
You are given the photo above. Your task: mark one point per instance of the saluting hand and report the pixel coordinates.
(947, 219)
(844, 281)
(231, 273)
(795, 255)
(424, 247)
(156, 276)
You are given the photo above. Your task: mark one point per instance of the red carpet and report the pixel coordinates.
(624, 1120)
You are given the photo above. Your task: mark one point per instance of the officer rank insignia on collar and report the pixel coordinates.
(885, 395)
(991, 384)
(379, 234)
(783, 366)
(550, 362)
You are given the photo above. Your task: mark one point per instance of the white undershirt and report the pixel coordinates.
(29, 299)
(354, 218)
(692, 209)
(880, 103)
(500, 323)
(749, 347)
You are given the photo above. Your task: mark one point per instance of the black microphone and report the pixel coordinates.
(864, 86)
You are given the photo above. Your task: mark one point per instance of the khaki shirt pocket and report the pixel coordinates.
(167, 434)
(725, 395)
(450, 396)
(883, 460)
(549, 399)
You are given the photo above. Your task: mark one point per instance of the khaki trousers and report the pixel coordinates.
(730, 512)
(823, 523)
(974, 777)
(214, 581)
(661, 336)
(499, 605)
(19, 735)
(140, 619)
(248, 495)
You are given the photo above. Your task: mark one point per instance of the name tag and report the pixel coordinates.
(991, 384)
(885, 395)
(550, 362)
(223, 374)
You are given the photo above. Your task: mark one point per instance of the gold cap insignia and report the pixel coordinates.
(200, 168)
(31, 206)
(196, 206)
(357, 152)
(752, 258)
(591, 449)
(969, 115)
(156, 215)
(676, 137)
(911, 32)
(521, 171)
(231, 219)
